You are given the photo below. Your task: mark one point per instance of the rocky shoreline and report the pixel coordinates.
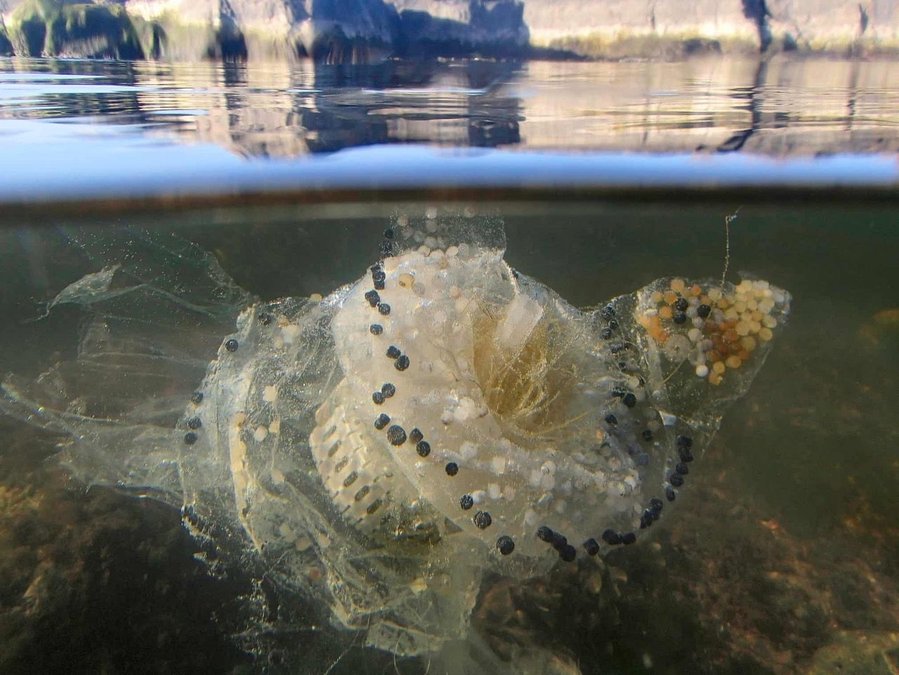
(371, 30)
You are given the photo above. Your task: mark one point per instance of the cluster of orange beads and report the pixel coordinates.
(723, 326)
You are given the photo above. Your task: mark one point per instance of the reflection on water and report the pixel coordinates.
(779, 106)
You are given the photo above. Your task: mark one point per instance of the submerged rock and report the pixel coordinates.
(382, 450)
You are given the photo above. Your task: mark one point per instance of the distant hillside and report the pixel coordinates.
(365, 30)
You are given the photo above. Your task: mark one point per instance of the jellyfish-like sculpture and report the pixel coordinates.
(380, 449)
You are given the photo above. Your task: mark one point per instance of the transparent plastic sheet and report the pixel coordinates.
(521, 430)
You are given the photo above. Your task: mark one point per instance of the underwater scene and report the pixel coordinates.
(549, 377)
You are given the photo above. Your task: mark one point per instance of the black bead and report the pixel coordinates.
(568, 553)
(647, 435)
(415, 435)
(482, 519)
(607, 312)
(231, 345)
(388, 233)
(402, 362)
(452, 469)
(382, 421)
(388, 390)
(559, 541)
(681, 305)
(373, 298)
(682, 469)
(393, 352)
(611, 537)
(646, 519)
(591, 546)
(384, 308)
(264, 318)
(676, 479)
(396, 435)
(194, 423)
(656, 504)
(190, 438)
(680, 317)
(684, 442)
(376, 268)
(196, 398)
(628, 538)
(466, 502)
(613, 324)
(629, 400)
(377, 397)
(605, 333)
(378, 284)
(423, 448)
(378, 275)
(545, 534)
(617, 348)
(376, 329)
(670, 494)
(703, 311)
(685, 454)
(505, 545)
(611, 419)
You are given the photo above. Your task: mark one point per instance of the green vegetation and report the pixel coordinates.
(52, 28)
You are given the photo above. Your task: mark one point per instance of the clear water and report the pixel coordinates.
(785, 556)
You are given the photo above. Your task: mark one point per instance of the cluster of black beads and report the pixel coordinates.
(194, 423)
(684, 446)
(607, 313)
(613, 538)
(627, 397)
(652, 513)
(400, 360)
(378, 277)
(396, 435)
(566, 551)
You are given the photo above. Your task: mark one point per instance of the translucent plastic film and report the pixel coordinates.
(381, 449)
